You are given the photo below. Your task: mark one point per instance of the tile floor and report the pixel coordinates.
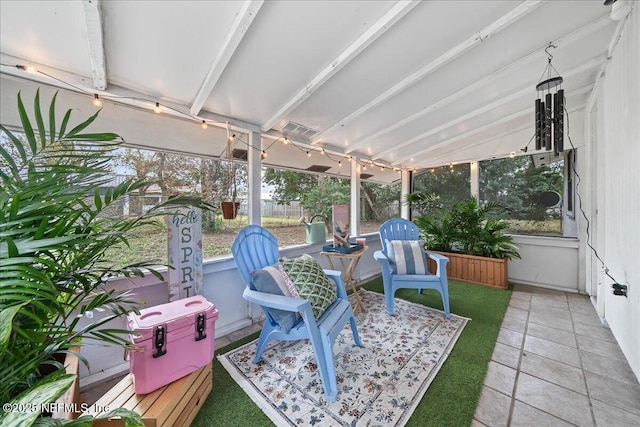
(555, 364)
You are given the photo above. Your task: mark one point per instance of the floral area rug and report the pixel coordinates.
(379, 384)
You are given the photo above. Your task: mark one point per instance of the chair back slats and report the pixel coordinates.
(254, 248)
(398, 229)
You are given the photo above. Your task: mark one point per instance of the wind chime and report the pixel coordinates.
(550, 110)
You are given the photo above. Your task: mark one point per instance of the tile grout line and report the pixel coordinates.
(515, 380)
(584, 375)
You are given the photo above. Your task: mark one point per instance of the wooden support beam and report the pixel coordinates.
(239, 28)
(506, 119)
(592, 63)
(495, 27)
(93, 22)
(523, 61)
(394, 14)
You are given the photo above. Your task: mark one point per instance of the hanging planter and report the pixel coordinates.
(230, 209)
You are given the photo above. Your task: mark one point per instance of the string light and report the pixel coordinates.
(96, 100)
(158, 109)
(27, 68)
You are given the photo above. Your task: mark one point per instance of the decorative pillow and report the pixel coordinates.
(270, 280)
(406, 256)
(311, 282)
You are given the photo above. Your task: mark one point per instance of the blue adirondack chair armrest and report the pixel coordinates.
(381, 258)
(336, 276)
(441, 262)
(280, 302)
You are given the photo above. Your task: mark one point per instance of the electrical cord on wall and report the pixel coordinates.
(618, 288)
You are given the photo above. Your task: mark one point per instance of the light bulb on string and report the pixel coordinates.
(339, 163)
(322, 151)
(264, 155)
(308, 153)
(286, 141)
(27, 68)
(96, 100)
(204, 125)
(157, 109)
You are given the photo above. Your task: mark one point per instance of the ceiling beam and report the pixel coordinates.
(445, 158)
(239, 28)
(592, 63)
(93, 22)
(394, 14)
(82, 85)
(495, 27)
(506, 119)
(564, 41)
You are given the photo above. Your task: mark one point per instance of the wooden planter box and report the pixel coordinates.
(475, 269)
(71, 400)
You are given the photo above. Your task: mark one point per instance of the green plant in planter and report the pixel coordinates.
(466, 228)
(56, 224)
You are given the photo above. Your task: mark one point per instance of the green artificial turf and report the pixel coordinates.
(453, 395)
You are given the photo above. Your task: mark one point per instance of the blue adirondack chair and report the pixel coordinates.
(402, 229)
(255, 248)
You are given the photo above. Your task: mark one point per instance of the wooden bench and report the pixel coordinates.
(175, 404)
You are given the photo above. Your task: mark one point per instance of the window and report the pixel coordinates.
(449, 183)
(379, 202)
(212, 179)
(518, 184)
(312, 194)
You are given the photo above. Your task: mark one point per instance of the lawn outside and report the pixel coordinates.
(152, 243)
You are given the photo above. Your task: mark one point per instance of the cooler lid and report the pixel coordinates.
(174, 315)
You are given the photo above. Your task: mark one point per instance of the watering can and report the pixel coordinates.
(316, 231)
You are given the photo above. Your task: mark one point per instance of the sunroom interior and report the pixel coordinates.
(375, 91)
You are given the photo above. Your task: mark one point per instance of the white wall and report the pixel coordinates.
(550, 262)
(612, 199)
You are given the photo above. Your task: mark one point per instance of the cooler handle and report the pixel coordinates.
(200, 326)
(158, 342)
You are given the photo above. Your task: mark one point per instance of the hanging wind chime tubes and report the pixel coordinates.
(550, 111)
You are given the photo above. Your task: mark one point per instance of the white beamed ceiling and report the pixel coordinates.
(406, 84)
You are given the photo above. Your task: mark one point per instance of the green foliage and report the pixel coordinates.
(466, 227)
(448, 184)
(517, 183)
(55, 229)
(317, 193)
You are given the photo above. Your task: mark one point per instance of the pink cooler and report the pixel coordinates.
(174, 340)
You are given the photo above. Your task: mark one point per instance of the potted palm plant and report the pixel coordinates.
(56, 224)
(472, 237)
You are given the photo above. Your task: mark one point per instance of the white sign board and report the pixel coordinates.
(184, 228)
